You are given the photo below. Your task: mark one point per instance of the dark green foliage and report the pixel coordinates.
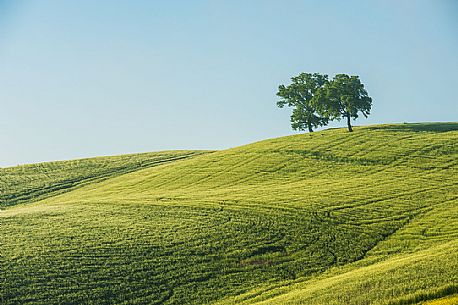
(299, 95)
(343, 97)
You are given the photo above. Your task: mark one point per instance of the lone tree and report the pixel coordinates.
(343, 97)
(299, 95)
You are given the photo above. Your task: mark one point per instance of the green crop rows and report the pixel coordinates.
(38, 181)
(332, 217)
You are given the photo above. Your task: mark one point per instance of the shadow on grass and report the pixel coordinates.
(419, 127)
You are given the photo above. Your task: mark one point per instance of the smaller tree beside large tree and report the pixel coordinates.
(343, 97)
(300, 95)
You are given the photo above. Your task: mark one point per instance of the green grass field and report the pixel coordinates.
(369, 217)
(37, 181)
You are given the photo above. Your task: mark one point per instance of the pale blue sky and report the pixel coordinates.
(87, 78)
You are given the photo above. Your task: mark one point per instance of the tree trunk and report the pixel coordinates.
(350, 129)
(310, 127)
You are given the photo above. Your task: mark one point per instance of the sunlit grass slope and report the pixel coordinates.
(332, 217)
(451, 300)
(37, 181)
(398, 279)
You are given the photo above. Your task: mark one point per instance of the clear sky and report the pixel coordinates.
(87, 78)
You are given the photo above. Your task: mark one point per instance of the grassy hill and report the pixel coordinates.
(37, 181)
(369, 217)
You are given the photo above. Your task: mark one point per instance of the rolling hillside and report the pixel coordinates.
(369, 217)
(37, 181)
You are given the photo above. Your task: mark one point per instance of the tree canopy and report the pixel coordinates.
(299, 95)
(343, 97)
(316, 100)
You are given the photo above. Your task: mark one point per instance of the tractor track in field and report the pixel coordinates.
(57, 188)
